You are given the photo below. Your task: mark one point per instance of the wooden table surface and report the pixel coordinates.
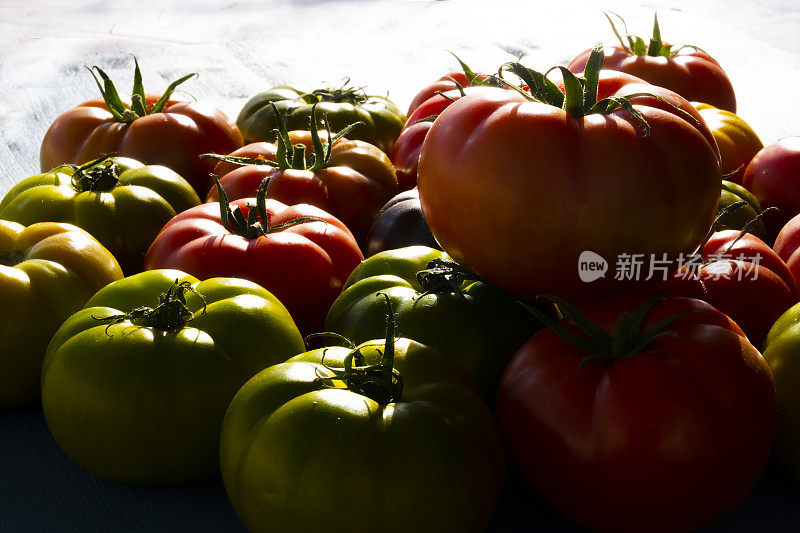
(242, 47)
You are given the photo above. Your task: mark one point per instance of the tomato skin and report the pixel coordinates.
(381, 120)
(163, 394)
(479, 327)
(445, 84)
(531, 154)
(294, 453)
(125, 219)
(691, 73)
(664, 440)
(733, 193)
(357, 180)
(736, 140)
(174, 138)
(773, 178)
(398, 224)
(304, 265)
(47, 271)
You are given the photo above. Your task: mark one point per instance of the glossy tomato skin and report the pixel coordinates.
(357, 180)
(398, 224)
(381, 120)
(47, 272)
(445, 84)
(533, 188)
(773, 176)
(294, 452)
(736, 140)
(663, 440)
(162, 394)
(305, 265)
(479, 326)
(691, 73)
(124, 217)
(787, 244)
(733, 193)
(174, 138)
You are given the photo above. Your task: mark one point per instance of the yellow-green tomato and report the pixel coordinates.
(310, 446)
(782, 353)
(120, 201)
(135, 385)
(47, 272)
(737, 141)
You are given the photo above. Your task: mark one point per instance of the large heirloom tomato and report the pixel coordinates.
(385, 437)
(135, 385)
(349, 179)
(379, 120)
(662, 422)
(154, 130)
(121, 202)
(438, 303)
(47, 272)
(687, 70)
(517, 189)
(300, 253)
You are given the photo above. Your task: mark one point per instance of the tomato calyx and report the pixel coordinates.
(444, 277)
(98, 175)
(341, 95)
(380, 382)
(257, 222)
(138, 107)
(11, 258)
(170, 315)
(599, 345)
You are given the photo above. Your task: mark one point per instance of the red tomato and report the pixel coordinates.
(352, 185)
(687, 70)
(773, 176)
(787, 245)
(516, 190)
(174, 136)
(444, 84)
(667, 437)
(304, 264)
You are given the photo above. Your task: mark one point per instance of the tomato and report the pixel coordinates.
(773, 176)
(746, 280)
(534, 187)
(393, 441)
(121, 202)
(736, 140)
(300, 253)
(398, 224)
(380, 119)
(446, 84)
(651, 430)
(47, 272)
(154, 130)
(738, 218)
(781, 352)
(687, 70)
(439, 304)
(787, 244)
(351, 182)
(135, 385)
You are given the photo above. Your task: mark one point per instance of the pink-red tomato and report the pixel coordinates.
(773, 176)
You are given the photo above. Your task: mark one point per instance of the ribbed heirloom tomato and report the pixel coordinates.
(515, 188)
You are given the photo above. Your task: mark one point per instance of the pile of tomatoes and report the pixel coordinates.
(364, 320)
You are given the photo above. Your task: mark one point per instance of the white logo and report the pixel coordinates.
(591, 266)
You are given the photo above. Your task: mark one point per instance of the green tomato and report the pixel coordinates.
(733, 193)
(381, 120)
(47, 272)
(139, 396)
(782, 353)
(307, 447)
(120, 201)
(478, 325)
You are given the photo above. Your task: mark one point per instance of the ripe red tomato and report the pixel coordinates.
(154, 130)
(687, 70)
(787, 245)
(300, 253)
(667, 437)
(773, 176)
(516, 189)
